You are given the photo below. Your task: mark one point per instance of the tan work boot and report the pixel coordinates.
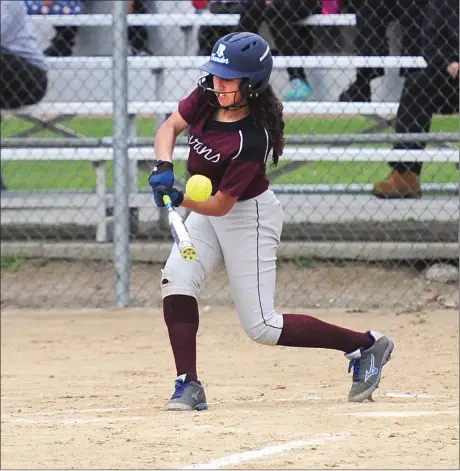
(398, 185)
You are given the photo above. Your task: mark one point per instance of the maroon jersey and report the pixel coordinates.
(232, 155)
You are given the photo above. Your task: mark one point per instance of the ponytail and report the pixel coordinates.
(267, 110)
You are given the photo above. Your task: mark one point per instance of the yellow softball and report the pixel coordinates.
(198, 188)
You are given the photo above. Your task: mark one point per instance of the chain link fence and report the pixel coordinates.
(368, 180)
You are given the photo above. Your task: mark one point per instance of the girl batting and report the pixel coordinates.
(235, 124)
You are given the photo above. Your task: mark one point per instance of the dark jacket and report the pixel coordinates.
(441, 33)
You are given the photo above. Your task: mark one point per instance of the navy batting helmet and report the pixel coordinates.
(242, 55)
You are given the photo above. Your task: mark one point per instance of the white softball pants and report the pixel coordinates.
(245, 240)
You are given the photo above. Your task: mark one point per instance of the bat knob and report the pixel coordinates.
(188, 254)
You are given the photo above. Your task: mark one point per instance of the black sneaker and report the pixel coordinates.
(145, 52)
(357, 93)
(58, 49)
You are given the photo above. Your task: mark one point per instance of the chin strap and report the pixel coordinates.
(204, 85)
(230, 107)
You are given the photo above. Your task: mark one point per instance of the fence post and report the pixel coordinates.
(121, 255)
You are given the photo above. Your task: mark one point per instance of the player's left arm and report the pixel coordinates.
(218, 205)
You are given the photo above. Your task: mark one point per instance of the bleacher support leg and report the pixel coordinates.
(101, 191)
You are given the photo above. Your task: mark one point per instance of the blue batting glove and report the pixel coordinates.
(177, 196)
(161, 174)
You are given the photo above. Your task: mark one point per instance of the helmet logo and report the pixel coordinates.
(265, 54)
(219, 55)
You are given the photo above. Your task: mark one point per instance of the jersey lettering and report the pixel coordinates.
(202, 149)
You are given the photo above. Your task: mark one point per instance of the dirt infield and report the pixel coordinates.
(85, 389)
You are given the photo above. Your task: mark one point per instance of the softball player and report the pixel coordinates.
(235, 125)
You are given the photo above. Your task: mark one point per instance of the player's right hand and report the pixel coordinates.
(177, 196)
(161, 174)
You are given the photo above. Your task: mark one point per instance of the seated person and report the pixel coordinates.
(280, 15)
(290, 39)
(23, 69)
(372, 20)
(209, 35)
(64, 40)
(426, 92)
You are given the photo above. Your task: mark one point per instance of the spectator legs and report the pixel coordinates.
(281, 16)
(289, 38)
(138, 36)
(372, 20)
(253, 16)
(21, 83)
(63, 42)
(208, 36)
(2, 183)
(425, 92)
(411, 19)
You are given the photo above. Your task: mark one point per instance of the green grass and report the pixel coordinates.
(81, 175)
(11, 262)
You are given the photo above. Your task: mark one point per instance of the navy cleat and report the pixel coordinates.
(367, 367)
(189, 395)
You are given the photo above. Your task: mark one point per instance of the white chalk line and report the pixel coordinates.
(269, 450)
(316, 397)
(78, 420)
(310, 397)
(411, 413)
(75, 411)
(410, 395)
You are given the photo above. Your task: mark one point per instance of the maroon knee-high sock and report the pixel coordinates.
(307, 331)
(182, 319)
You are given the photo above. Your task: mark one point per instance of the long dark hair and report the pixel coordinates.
(267, 110)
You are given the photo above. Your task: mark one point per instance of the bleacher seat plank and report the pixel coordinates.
(291, 154)
(156, 107)
(179, 20)
(319, 209)
(279, 62)
(51, 199)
